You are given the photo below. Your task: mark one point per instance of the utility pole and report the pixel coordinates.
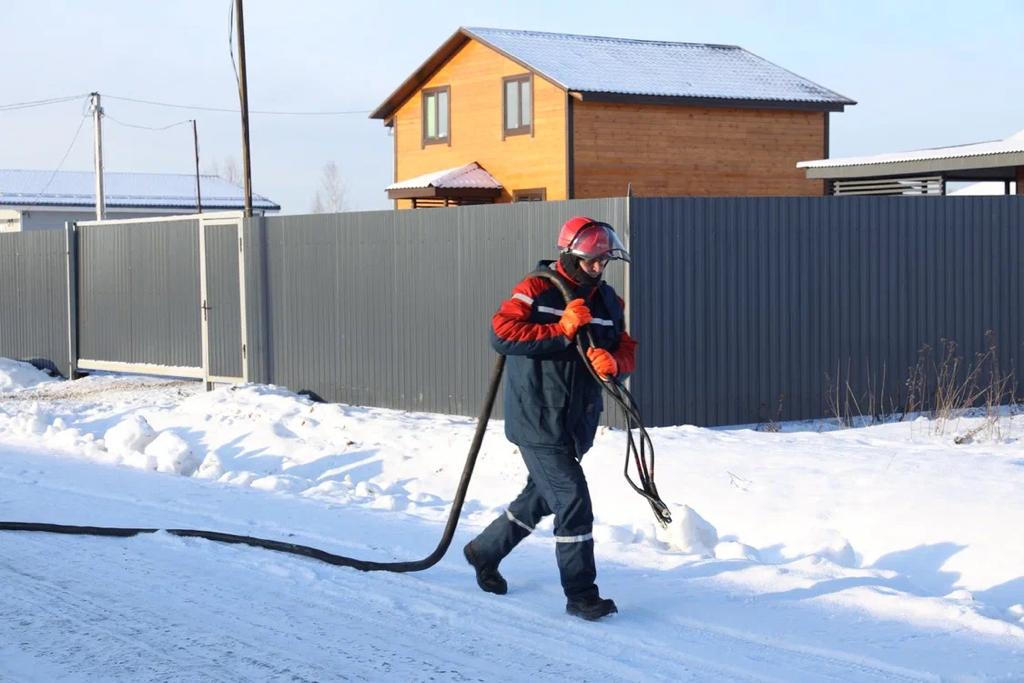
(243, 96)
(195, 144)
(97, 114)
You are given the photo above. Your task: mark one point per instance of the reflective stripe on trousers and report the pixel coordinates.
(556, 485)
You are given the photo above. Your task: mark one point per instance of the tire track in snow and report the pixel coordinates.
(660, 647)
(124, 624)
(133, 621)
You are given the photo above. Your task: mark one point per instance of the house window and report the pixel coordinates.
(518, 109)
(537, 194)
(435, 115)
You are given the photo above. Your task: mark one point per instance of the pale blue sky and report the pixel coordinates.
(925, 74)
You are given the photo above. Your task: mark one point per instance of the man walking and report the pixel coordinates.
(553, 404)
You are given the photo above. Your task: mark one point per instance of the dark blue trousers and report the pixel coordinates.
(556, 485)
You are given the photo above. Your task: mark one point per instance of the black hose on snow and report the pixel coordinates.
(621, 396)
(306, 551)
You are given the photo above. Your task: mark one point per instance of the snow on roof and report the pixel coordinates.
(660, 68)
(142, 190)
(471, 175)
(1010, 145)
(625, 68)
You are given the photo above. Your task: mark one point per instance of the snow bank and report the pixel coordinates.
(15, 375)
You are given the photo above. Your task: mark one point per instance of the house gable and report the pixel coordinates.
(475, 76)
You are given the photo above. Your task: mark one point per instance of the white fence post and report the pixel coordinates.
(71, 258)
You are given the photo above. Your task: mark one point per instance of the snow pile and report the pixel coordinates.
(690, 533)
(127, 440)
(172, 454)
(15, 375)
(133, 433)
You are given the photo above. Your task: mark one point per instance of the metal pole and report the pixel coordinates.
(243, 95)
(195, 144)
(97, 114)
(71, 252)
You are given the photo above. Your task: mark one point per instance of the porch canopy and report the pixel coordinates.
(924, 171)
(468, 184)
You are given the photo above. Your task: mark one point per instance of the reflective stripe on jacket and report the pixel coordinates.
(550, 397)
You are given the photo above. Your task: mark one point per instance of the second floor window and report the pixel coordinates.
(435, 115)
(518, 96)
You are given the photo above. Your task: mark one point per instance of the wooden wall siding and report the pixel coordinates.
(518, 162)
(674, 150)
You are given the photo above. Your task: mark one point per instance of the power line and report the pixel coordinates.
(196, 107)
(136, 125)
(235, 111)
(231, 42)
(40, 103)
(66, 153)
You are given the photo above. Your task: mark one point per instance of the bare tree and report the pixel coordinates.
(330, 198)
(228, 171)
(231, 173)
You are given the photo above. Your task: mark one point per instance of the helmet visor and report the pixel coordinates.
(598, 241)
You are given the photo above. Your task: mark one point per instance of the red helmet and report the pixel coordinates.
(589, 239)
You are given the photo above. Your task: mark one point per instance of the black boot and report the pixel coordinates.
(487, 576)
(590, 608)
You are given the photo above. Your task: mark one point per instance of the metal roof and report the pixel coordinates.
(652, 67)
(468, 176)
(994, 159)
(122, 190)
(1010, 145)
(721, 74)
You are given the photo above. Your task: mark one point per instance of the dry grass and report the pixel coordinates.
(941, 385)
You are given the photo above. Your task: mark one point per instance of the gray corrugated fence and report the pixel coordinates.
(389, 308)
(746, 309)
(752, 309)
(34, 298)
(139, 293)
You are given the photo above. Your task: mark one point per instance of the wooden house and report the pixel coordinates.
(499, 115)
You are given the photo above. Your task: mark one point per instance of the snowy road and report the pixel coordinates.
(158, 608)
(894, 557)
(228, 614)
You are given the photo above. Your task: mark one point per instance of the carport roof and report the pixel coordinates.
(991, 160)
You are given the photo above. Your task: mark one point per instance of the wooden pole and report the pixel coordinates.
(243, 96)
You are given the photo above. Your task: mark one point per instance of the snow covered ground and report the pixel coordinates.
(884, 553)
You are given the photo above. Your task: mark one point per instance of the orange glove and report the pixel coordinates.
(576, 315)
(603, 362)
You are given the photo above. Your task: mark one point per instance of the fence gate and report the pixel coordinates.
(160, 296)
(222, 294)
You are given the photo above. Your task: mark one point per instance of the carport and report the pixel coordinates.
(925, 171)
